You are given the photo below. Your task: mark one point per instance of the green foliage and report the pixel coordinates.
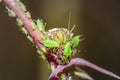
(40, 25)
(76, 41)
(67, 49)
(0, 0)
(10, 12)
(50, 43)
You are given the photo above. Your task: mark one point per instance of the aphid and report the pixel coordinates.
(40, 25)
(19, 22)
(18, 1)
(24, 30)
(50, 43)
(29, 38)
(22, 6)
(61, 41)
(67, 49)
(10, 12)
(32, 25)
(42, 55)
(75, 41)
(28, 14)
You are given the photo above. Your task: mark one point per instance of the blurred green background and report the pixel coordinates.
(97, 20)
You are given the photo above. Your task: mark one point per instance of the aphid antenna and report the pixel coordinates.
(72, 28)
(69, 21)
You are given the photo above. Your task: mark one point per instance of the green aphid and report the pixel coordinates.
(43, 49)
(28, 14)
(10, 12)
(29, 38)
(40, 25)
(22, 6)
(67, 49)
(82, 74)
(76, 41)
(60, 36)
(32, 25)
(63, 77)
(66, 59)
(24, 30)
(42, 55)
(19, 22)
(57, 40)
(65, 38)
(18, 1)
(50, 43)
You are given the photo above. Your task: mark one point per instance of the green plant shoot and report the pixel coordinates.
(50, 43)
(76, 41)
(67, 49)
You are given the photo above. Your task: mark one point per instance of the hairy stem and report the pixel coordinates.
(34, 33)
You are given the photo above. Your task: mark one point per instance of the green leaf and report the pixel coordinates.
(50, 43)
(67, 49)
(40, 25)
(76, 41)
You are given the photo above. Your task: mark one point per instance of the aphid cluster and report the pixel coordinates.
(61, 43)
(58, 46)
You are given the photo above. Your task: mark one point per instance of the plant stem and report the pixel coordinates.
(34, 33)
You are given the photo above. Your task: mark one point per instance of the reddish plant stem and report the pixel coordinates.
(34, 33)
(79, 62)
